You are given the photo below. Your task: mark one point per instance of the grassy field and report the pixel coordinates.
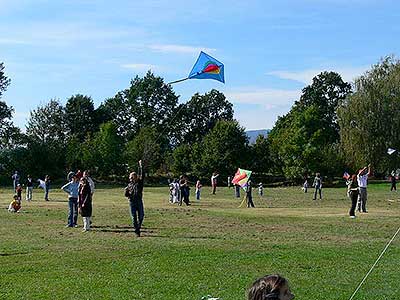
(210, 248)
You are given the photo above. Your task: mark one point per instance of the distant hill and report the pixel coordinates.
(253, 134)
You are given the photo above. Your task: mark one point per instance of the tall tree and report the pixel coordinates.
(147, 146)
(223, 149)
(47, 123)
(148, 102)
(46, 138)
(310, 129)
(79, 116)
(370, 118)
(4, 80)
(10, 136)
(200, 114)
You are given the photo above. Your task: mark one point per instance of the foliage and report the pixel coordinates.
(182, 159)
(370, 118)
(222, 150)
(148, 102)
(79, 116)
(148, 146)
(261, 161)
(303, 136)
(4, 80)
(108, 147)
(200, 114)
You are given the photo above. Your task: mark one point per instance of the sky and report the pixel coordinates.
(271, 49)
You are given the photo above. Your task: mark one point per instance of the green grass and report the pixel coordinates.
(212, 247)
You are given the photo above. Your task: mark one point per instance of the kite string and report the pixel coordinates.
(373, 266)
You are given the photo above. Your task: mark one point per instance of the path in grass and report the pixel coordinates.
(211, 247)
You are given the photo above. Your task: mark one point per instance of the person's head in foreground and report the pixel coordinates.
(270, 287)
(133, 177)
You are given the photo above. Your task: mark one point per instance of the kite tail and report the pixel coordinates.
(180, 80)
(244, 201)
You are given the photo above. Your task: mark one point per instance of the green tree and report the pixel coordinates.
(148, 146)
(46, 138)
(108, 146)
(182, 159)
(79, 116)
(369, 119)
(261, 157)
(10, 136)
(223, 149)
(200, 114)
(148, 102)
(310, 130)
(4, 80)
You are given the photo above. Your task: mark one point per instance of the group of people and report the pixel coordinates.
(80, 190)
(317, 184)
(357, 190)
(16, 203)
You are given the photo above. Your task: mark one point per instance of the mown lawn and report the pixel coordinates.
(210, 248)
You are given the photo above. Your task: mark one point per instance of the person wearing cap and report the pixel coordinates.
(72, 188)
(134, 192)
(362, 179)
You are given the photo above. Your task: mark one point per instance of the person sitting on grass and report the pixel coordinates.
(270, 287)
(15, 205)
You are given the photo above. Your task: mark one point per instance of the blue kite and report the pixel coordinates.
(206, 67)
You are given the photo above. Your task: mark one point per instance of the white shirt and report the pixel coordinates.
(362, 180)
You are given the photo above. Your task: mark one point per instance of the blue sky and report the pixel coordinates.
(271, 49)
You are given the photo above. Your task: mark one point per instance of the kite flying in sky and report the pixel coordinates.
(206, 67)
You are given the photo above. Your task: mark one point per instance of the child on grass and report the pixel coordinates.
(198, 189)
(15, 205)
(270, 287)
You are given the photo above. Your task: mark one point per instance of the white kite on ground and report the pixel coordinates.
(390, 151)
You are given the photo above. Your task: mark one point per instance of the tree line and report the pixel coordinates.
(334, 126)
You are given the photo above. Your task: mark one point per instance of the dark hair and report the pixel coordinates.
(267, 288)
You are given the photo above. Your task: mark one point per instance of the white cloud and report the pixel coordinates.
(306, 76)
(140, 67)
(268, 98)
(184, 49)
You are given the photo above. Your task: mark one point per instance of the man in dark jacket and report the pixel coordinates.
(134, 192)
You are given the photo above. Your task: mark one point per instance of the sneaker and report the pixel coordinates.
(76, 225)
(68, 226)
(352, 217)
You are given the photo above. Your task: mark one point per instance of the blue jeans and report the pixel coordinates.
(46, 193)
(73, 211)
(197, 195)
(137, 214)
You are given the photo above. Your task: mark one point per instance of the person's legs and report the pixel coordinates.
(353, 197)
(214, 189)
(140, 215)
(364, 202)
(134, 211)
(75, 211)
(315, 194)
(70, 212)
(46, 194)
(320, 193)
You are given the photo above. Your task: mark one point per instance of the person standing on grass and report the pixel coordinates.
(393, 181)
(214, 182)
(229, 182)
(72, 188)
(29, 188)
(249, 196)
(198, 189)
(18, 190)
(15, 178)
(237, 191)
(185, 190)
(85, 203)
(352, 191)
(318, 186)
(362, 179)
(91, 184)
(46, 187)
(134, 192)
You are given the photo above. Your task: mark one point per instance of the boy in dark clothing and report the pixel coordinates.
(249, 195)
(134, 192)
